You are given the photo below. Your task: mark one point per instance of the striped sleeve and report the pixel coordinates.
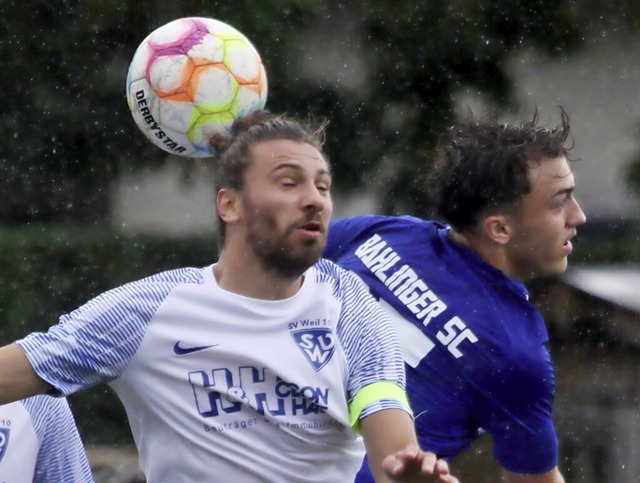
(372, 348)
(62, 457)
(95, 343)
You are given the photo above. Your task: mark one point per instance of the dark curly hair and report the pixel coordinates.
(232, 152)
(485, 165)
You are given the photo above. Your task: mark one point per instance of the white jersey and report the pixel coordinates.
(39, 443)
(221, 387)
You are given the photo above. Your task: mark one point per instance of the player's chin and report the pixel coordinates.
(552, 265)
(558, 267)
(309, 253)
(311, 237)
(312, 241)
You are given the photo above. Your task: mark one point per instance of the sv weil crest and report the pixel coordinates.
(317, 345)
(4, 441)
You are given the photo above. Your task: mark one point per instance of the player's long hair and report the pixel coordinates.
(484, 164)
(233, 153)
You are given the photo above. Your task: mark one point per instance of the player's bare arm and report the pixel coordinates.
(552, 476)
(18, 380)
(395, 456)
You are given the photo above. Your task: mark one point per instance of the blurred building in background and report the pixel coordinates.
(594, 316)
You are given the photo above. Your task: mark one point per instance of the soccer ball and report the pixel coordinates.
(191, 78)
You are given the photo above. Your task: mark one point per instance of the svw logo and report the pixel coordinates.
(4, 441)
(317, 345)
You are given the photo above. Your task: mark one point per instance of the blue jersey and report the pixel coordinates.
(475, 348)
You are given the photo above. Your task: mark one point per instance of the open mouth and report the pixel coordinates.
(313, 226)
(568, 246)
(312, 230)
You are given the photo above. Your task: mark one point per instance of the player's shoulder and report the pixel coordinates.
(42, 402)
(163, 282)
(328, 271)
(373, 220)
(145, 294)
(338, 277)
(45, 407)
(176, 275)
(346, 233)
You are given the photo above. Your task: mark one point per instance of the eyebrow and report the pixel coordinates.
(297, 167)
(564, 191)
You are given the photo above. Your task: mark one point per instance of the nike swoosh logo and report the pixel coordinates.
(188, 350)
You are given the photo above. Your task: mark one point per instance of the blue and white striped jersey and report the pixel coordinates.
(39, 443)
(216, 384)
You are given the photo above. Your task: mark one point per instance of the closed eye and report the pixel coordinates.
(288, 182)
(323, 183)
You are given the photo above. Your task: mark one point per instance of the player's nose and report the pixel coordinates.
(577, 216)
(315, 198)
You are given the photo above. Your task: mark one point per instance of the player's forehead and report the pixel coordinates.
(280, 154)
(551, 171)
(549, 179)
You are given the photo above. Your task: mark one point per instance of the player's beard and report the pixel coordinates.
(276, 250)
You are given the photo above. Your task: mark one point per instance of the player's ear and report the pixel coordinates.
(497, 229)
(228, 205)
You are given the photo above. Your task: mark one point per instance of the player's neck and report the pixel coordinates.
(252, 280)
(490, 252)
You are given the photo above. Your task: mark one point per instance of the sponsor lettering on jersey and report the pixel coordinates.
(407, 286)
(400, 279)
(223, 392)
(4, 441)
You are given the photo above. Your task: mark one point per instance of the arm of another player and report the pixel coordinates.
(393, 451)
(18, 380)
(62, 456)
(552, 476)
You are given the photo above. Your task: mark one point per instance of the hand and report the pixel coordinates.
(415, 465)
